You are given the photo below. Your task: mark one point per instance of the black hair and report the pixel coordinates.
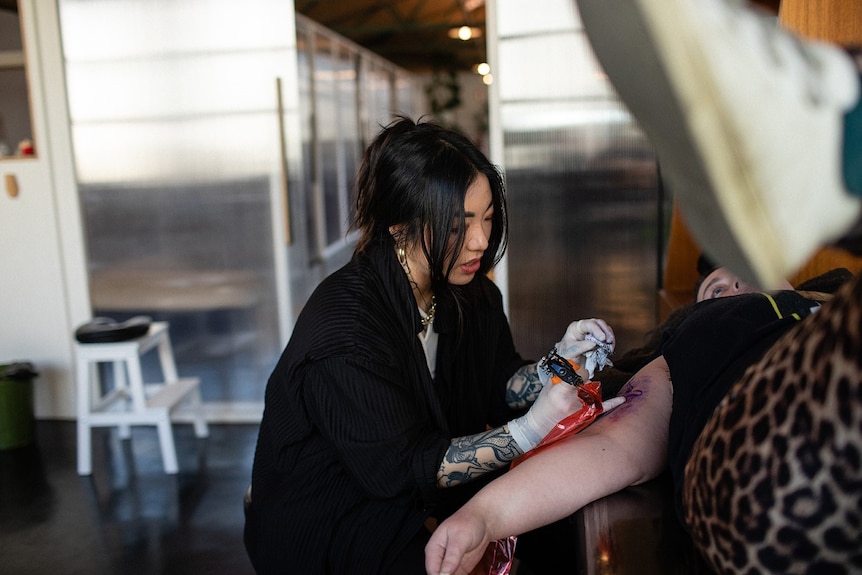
(416, 175)
(705, 266)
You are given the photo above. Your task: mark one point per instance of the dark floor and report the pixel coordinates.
(128, 517)
(131, 518)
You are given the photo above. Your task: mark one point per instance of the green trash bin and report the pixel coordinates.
(16, 404)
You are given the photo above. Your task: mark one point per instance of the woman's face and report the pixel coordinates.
(724, 283)
(478, 210)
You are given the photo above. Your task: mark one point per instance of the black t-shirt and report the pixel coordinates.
(710, 350)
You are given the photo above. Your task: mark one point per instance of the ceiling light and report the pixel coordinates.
(465, 33)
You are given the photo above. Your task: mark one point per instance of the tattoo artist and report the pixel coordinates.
(400, 388)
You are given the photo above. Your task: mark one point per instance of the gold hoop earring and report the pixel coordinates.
(402, 256)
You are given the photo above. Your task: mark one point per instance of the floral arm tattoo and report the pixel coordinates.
(523, 387)
(473, 455)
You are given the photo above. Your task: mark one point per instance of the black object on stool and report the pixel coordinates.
(106, 330)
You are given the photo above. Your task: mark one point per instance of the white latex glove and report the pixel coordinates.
(554, 403)
(578, 348)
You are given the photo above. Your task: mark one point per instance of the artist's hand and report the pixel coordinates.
(555, 402)
(580, 339)
(574, 342)
(457, 545)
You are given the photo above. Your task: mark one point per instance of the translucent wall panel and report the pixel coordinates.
(178, 148)
(305, 59)
(408, 97)
(196, 79)
(326, 109)
(335, 81)
(350, 145)
(529, 67)
(379, 96)
(521, 17)
(346, 96)
(585, 205)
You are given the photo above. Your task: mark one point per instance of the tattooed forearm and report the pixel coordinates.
(473, 455)
(523, 388)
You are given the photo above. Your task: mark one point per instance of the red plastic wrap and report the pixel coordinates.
(498, 558)
(591, 394)
(500, 554)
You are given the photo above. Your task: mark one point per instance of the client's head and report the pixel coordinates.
(721, 282)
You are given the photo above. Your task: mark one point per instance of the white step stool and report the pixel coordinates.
(131, 402)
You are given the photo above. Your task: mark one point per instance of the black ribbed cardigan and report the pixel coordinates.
(354, 429)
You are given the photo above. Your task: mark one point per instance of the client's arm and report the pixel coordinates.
(625, 447)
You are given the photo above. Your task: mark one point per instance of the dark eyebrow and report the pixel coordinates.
(706, 287)
(472, 214)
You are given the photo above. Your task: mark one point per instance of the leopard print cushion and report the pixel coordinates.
(774, 482)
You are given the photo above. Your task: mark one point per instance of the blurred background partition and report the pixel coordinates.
(215, 146)
(587, 214)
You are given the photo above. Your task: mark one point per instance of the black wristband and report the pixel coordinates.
(555, 364)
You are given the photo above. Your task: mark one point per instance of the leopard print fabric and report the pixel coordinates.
(774, 482)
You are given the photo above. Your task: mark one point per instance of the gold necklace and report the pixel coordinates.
(429, 310)
(429, 313)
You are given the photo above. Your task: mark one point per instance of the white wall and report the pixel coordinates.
(43, 283)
